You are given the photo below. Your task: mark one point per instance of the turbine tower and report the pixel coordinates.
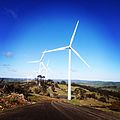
(69, 47)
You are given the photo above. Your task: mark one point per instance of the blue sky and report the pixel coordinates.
(28, 28)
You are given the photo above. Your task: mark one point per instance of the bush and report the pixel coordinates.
(115, 106)
(37, 90)
(12, 100)
(74, 84)
(80, 93)
(63, 82)
(102, 99)
(44, 89)
(53, 88)
(51, 81)
(56, 85)
(91, 96)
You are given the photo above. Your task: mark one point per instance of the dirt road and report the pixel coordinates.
(55, 111)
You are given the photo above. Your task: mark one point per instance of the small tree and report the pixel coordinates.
(39, 77)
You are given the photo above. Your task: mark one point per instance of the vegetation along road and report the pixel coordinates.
(51, 110)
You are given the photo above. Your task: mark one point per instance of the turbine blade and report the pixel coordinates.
(80, 57)
(54, 50)
(47, 63)
(71, 41)
(34, 61)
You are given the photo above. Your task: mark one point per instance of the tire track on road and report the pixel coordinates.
(56, 107)
(92, 114)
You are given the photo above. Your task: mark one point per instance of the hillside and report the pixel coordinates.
(25, 93)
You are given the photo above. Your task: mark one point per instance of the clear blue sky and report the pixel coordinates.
(29, 27)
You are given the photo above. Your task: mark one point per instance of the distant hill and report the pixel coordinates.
(80, 82)
(13, 79)
(94, 83)
(99, 83)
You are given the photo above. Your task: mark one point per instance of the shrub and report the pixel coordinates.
(53, 88)
(115, 106)
(63, 82)
(51, 81)
(102, 99)
(12, 100)
(91, 96)
(37, 90)
(80, 93)
(56, 85)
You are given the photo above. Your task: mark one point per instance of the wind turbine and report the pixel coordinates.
(70, 48)
(41, 64)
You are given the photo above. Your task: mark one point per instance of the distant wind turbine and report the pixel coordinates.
(41, 64)
(69, 47)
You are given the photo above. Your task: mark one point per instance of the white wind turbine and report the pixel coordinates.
(69, 47)
(45, 69)
(41, 64)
